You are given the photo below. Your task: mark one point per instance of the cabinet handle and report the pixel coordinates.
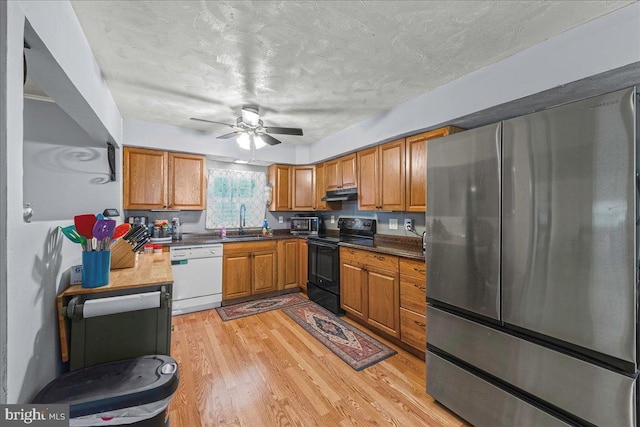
(422, 288)
(422, 325)
(379, 257)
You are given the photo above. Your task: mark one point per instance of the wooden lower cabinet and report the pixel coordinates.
(353, 293)
(413, 304)
(288, 263)
(249, 268)
(303, 264)
(369, 288)
(382, 300)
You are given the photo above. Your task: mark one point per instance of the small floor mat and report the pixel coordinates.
(244, 309)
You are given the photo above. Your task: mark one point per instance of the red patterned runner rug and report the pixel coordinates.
(349, 343)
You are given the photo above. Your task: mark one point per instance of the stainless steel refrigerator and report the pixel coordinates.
(532, 267)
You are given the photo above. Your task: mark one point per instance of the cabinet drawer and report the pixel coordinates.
(413, 329)
(243, 247)
(413, 294)
(387, 262)
(413, 267)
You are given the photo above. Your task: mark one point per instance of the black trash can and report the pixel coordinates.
(134, 392)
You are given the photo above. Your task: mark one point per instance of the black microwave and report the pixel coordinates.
(304, 225)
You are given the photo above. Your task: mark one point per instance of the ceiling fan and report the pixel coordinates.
(251, 131)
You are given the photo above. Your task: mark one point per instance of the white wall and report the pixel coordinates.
(66, 172)
(173, 138)
(35, 255)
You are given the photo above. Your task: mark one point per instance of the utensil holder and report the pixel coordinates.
(122, 255)
(95, 268)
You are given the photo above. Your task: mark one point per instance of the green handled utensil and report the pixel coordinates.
(72, 234)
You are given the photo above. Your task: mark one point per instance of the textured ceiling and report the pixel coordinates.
(319, 65)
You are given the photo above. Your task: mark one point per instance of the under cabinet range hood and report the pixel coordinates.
(341, 195)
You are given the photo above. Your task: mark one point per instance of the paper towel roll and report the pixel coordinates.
(122, 304)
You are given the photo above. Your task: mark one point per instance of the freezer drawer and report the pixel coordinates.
(595, 394)
(459, 391)
(568, 211)
(463, 220)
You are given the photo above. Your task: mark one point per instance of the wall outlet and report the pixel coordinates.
(408, 224)
(280, 219)
(333, 219)
(393, 223)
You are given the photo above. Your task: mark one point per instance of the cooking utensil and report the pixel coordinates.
(102, 231)
(120, 231)
(84, 225)
(71, 233)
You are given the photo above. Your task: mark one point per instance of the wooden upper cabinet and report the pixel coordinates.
(145, 178)
(349, 168)
(416, 167)
(303, 188)
(279, 179)
(369, 179)
(392, 175)
(187, 182)
(155, 179)
(321, 188)
(381, 177)
(341, 173)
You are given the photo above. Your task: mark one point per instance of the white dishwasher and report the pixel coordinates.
(197, 277)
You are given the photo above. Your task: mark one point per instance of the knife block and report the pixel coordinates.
(122, 255)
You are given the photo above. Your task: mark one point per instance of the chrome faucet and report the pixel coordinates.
(243, 222)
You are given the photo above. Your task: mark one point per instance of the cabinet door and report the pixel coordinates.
(391, 176)
(353, 293)
(321, 188)
(288, 254)
(145, 178)
(264, 271)
(333, 175)
(416, 167)
(368, 179)
(237, 275)
(303, 188)
(383, 300)
(349, 167)
(303, 264)
(187, 181)
(279, 178)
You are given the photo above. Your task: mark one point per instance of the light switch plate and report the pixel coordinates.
(280, 219)
(393, 223)
(333, 219)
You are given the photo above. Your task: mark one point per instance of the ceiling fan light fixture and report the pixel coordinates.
(259, 142)
(244, 141)
(250, 116)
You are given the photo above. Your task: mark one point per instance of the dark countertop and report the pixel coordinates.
(405, 251)
(390, 245)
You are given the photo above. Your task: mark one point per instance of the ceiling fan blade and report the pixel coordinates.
(283, 131)
(212, 121)
(229, 135)
(269, 139)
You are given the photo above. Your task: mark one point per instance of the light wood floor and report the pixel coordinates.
(265, 370)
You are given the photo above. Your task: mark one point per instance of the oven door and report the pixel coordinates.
(324, 266)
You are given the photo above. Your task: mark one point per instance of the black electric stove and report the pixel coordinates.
(323, 286)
